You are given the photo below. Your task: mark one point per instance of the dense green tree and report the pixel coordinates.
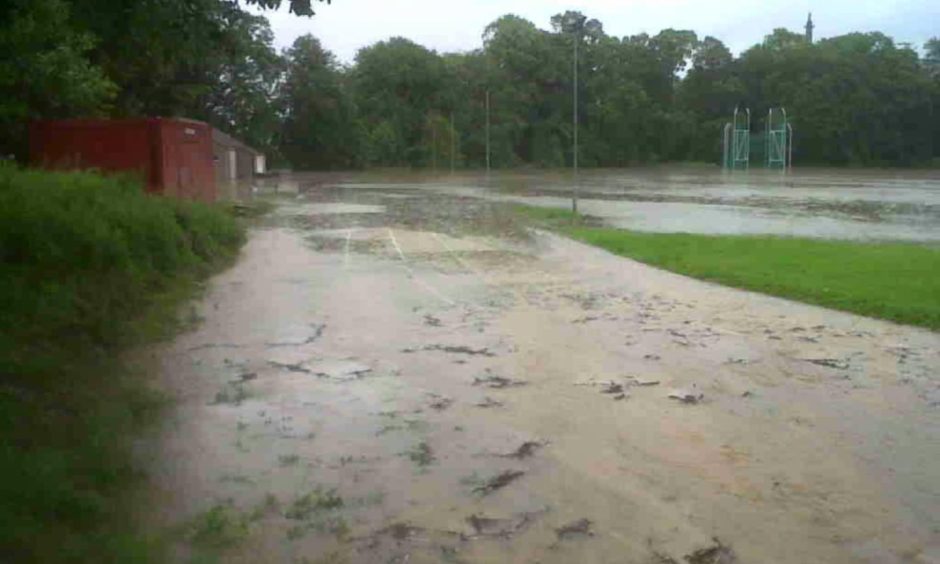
(530, 88)
(614, 103)
(517, 66)
(932, 65)
(44, 70)
(854, 99)
(163, 54)
(242, 97)
(468, 86)
(665, 97)
(206, 59)
(401, 90)
(932, 57)
(782, 40)
(319, 128)
(707, 96)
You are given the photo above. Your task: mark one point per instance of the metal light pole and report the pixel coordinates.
(574, 197)
(453, 143)
(767, 128)
(433, 143)
(487, 133)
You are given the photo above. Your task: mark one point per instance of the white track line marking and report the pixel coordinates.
(346, 251)
(417, 279)
(391, 235)
(457, 257)
(489, 280)
(432, 289)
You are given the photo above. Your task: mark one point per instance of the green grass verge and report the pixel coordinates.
(895, 281)
(88, 266)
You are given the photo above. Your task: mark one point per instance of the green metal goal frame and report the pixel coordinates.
(737, 141)
(778, 141)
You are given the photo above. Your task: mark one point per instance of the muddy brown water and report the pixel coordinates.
(857, 204)
(390, 378)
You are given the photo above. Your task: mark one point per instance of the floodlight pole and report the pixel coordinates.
(574, 198)
(453, 143)
(487, 133)
(747, 165)
(433, 143)
(768, 127)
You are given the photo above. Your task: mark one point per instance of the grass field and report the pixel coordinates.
(88, 267)
(894, 281)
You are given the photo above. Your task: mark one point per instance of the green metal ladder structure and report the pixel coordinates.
(778, 144)
(778, 141)
(737, 142)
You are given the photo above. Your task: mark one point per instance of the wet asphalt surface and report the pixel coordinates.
(396, 373)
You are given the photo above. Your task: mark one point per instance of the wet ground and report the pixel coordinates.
(860, 204)
(395, 374)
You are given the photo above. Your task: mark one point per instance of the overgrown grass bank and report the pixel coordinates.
(895, 281)
(88, 266)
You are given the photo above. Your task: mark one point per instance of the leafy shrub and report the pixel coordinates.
(88, 264)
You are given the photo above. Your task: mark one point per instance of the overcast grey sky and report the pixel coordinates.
(453, 25)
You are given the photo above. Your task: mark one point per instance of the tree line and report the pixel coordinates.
(856, 99)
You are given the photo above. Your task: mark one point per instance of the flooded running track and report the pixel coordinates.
(857, 204)
(391, 378)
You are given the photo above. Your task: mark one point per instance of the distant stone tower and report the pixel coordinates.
(809, 28)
